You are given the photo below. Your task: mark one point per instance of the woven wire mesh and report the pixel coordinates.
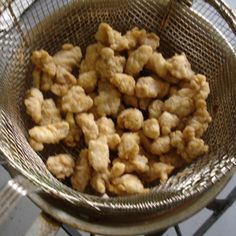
(200, 32)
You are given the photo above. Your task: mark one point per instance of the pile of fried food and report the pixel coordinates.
(136, 115)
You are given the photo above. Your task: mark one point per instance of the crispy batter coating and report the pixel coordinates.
(187, 144)
(173, 159)
(51, 133)
(33, 104)
(158, 170)
(137, 60)
(144, 103)
(88, 125)
(108, 100)
(127, 184)
(168, 121)
(75, 132)
(179, 67)
(148, 87)
(91, 56)
(46, 82)
(76, 100)
(88, 81)
(99, 181)
(61, 165)
(129, 146)
(118, 169)
(68, 57)
(110, 37)
(160, 145)
(131, 119)
(82, 172)
(125, 83)
(50, 113)
(151, 128)
(42, 60)
(157, 63)
(137, 37)
(98, 154)
(35, 145)
(106, 128)
(108, 64)
(155, 109)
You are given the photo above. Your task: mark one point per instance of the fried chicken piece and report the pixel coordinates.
(187, 144)
(51, 133)
(125, 83)
(151, 128)
(98, 154)
(167, 122)
(59, 89)
(35, 145)
(91, 56)
(179, 67)
(137, 60)
(118, 169)
(99, 181)
(137, 37)
(106, 127)
(88, 125)
(127, 184)
(73, 137)
(160, 145)
(88, 81)
(61, 165)
(33, 104)
(68, 57)
(158, 170)
(62, 82)
(148, 87)
(131, 119)
(157, 64)
(76, 100)
(140, 163)
(82, 172)
(155, 109)
(46, 82)
(110, 37)
(137, 164)
(200, 119)
(173, 159)
(129, 146)
(50, 113)
(145, 141)
(64, 77)
(181, 106)
(107, 65)
(42, 60)
(108, 100)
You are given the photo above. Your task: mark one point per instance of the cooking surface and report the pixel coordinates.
(26, 212)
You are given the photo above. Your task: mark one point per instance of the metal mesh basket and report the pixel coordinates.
(206, 32)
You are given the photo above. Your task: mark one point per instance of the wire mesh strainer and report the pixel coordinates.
(206, 32)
